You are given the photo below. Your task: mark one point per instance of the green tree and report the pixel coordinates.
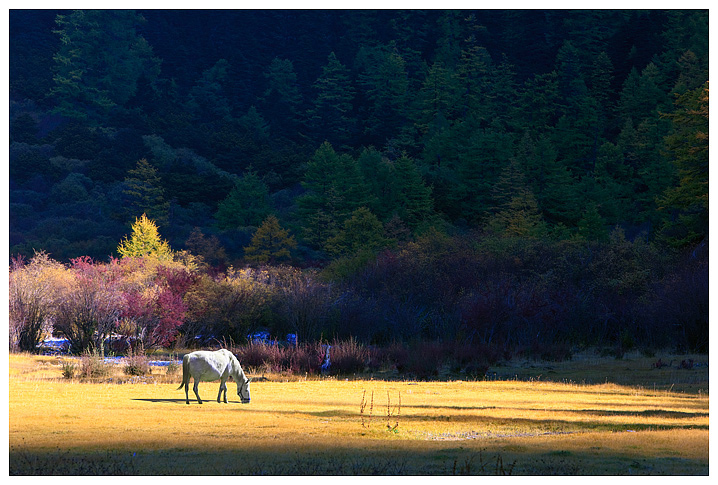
(331, 114)
(592, 226)
(436, 99)
(145, 241)
(144, 189)
(688, 148)
(378, 173)
(247, 203)
(99, 62)
(384, 79)
(521, 218)
(334, 189)
(207, 98)
(414, 202)
(270, 243)
(282, 99)
(362, 231)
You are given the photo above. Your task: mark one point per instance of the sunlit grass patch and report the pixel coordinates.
(327, 425)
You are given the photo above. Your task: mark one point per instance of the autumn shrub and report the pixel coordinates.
(34, 287)
(350, 357)
(89, 307)
(93, 365)
(256, 355)
(137, 363)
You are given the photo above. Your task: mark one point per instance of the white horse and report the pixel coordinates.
(204, 365)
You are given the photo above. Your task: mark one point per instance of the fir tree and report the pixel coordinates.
(334, 189)
(362, 231)
(270, 243)
(144, 189)
(414, 202)
(145, 241)
(246, 205)
(331, 116)
(688, 146)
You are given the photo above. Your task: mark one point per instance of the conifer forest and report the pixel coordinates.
(516, 181)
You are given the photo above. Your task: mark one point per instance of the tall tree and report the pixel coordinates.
(99, 62)
(208, 99)
(270, 243)
(414, 202)
(688, 146)
(282, 99)
(331, 117)
(247, 203)
(146, 196)
(334, 189)
(145, 241)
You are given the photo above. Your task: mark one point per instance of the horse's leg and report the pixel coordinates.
(186, 391)
(196, 390)
(222, 385)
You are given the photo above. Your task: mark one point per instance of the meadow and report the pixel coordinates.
(589, 416)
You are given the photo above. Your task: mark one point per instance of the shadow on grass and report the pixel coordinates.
(437, 458)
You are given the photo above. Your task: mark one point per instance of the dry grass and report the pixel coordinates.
(319, 426)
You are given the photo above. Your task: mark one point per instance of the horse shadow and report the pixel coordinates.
(177, 400)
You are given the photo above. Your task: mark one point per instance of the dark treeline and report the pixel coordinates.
(339, 139)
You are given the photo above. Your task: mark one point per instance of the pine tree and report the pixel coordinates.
(521, 218)
(144, 189)
(414, 202)
(362, 231)
(282, 98)
(592, 226)
(99, 62)
(334, 189)
(207, 99)
(688, 147)
(145, 241)
(247, 203)
(270, 243)
(331, 115)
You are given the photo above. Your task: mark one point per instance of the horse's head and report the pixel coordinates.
(243, 391)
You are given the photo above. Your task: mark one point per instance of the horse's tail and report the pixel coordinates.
(185, 371)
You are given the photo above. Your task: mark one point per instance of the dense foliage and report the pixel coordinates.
(552, 123)
(513, 179)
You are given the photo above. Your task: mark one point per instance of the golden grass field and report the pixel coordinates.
(658, 424)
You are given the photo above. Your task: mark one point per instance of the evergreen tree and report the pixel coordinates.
(362, 231)
(282, 99)
(146, 196)
(688, 147)
(207, 98)
(386, 84)
(521, 218)
(270, 243)
(436, 99)
(145, 241)
(331, 115)
(246, 205)
(334, 189)
(378, 173)
(592, 226)
(99, 62)
(414, 202)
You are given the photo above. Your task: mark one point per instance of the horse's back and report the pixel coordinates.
(207, 365)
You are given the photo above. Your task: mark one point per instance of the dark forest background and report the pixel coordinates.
(496, 175)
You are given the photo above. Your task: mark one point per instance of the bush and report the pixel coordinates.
(69, 369)
(93, 365)
(137, 364)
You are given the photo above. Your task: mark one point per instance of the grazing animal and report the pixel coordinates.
(204, 365)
